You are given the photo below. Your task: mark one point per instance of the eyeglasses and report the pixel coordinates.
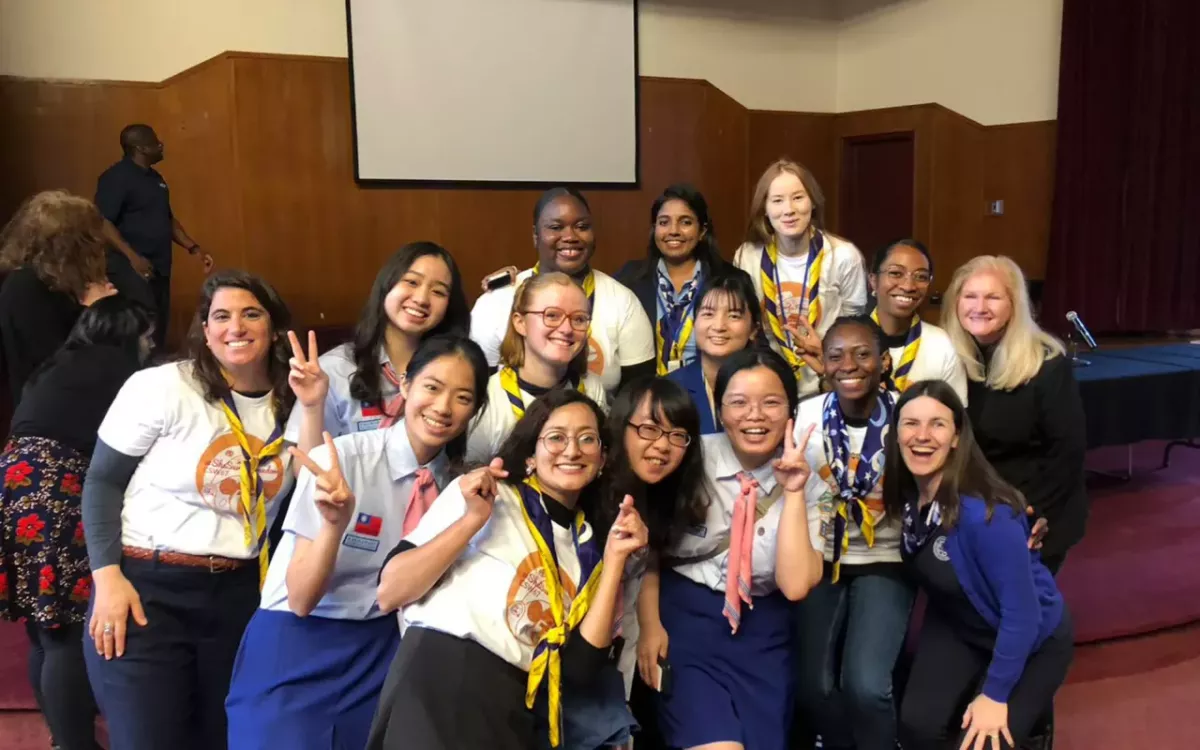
(554, 316)
(739, 407)
(588, 443)
(652, 432)
(919, 276)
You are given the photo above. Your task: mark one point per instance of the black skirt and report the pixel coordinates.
(448, 693)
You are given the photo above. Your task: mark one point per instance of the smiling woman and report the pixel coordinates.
(178, 553)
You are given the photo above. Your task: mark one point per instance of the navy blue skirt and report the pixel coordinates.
(727, 688)
(308, 683)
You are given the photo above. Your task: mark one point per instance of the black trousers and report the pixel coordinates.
(948, 673)
(58, 675)
(169, 689)
(154, 293)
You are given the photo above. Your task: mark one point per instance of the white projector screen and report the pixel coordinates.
(496, 91)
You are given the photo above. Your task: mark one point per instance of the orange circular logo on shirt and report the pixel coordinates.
(595, 357)
(528, 604)
(218, 473)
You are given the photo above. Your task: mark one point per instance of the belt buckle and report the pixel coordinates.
(211, 565)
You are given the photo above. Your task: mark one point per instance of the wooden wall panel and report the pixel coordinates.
(1019, 169)
(957, 204)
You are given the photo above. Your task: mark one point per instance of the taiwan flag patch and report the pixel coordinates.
(368, 524)
(371, 410)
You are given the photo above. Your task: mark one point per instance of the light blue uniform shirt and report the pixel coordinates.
(381, 469)
(344, 414)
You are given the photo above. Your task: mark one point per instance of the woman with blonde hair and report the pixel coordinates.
(544, 348)
(52, 251)
(1023, 399)
(805, 277)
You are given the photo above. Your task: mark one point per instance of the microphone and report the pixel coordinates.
(1081, 329)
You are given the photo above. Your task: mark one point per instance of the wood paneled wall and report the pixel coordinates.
(260, 160)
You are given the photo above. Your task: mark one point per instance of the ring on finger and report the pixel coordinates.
(108, 628)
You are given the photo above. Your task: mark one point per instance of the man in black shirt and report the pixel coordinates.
(136, 205)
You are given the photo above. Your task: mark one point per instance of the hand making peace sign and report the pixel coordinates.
(334, 499)
(309, 382)
(792, 469)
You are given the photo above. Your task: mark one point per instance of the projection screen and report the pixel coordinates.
(494, 91)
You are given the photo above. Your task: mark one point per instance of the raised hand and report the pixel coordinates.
(807, 345)
(309, 382)
(792, 469)
(479, 489)
(627, 535)
(509, 271)
(334, 499)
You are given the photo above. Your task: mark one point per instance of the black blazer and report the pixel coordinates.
(34, 321)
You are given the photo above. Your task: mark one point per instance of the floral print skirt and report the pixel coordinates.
(44, 573)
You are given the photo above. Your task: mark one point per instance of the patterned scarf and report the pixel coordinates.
(920, 527)
(251, 486)
(898, 379)
(547, 661)
(773, 298)
(854, 475)
(675, 325)
(512, 389)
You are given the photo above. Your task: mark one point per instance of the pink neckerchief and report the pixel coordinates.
(394, 408)
(424, 492)
(740, 565)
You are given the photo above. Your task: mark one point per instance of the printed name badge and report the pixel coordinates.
(366, 533)
(372, 416)
(700, 530)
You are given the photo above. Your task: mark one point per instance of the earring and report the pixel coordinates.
(528, 470)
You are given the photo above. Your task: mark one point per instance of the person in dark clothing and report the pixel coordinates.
(140, 225)
(997, 639)
(1022, 395)
(43, 559)
(52, 252)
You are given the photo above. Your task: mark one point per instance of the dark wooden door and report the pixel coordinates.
(876, 197)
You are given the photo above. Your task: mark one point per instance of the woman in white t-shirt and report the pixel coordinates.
(417, 293)
(724, 594)
(543, 349)
(900, 277)
(851, 626)
(184, 483)
(620, 341)
(314, 656)
(509, 589)
(805, 277)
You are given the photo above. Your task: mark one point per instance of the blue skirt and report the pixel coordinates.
(308, 683)
(727, 688)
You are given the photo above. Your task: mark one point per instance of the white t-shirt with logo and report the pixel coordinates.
(185, 495)
(490, 428)
(821, 489)
(344, 414)
(620, 336)
(495, 593)
(793, 276)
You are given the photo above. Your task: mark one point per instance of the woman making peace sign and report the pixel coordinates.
(731, 664)
(314, 656)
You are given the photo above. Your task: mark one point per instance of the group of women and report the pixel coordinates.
(688, 506)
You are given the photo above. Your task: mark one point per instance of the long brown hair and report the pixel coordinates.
(760, 230)
(966, 471)
(60, 237)
(208, 369)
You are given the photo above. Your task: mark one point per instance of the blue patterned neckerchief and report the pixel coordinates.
(854, 475)
(920, 527)
(676, 316)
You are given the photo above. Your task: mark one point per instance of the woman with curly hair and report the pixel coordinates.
(53, 253)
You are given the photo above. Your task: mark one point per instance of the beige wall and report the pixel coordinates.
(993, 60)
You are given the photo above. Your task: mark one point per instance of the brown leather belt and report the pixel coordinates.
(214, 563)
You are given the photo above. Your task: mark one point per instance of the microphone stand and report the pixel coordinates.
(1073, 348)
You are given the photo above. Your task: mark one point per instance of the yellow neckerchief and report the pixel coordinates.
(512, 389)
(708, 391)
(912, 344)
(662, 357)
(546, 656)
(254, 505)
(773, 299)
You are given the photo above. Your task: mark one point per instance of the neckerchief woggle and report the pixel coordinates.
(674, 328)
(854, 475)
(252, 493)
(773, 297)
(512, 389)
(547, 661)
(898, 380)
(918, 527)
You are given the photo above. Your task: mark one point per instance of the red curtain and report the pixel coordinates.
(1125, 240)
